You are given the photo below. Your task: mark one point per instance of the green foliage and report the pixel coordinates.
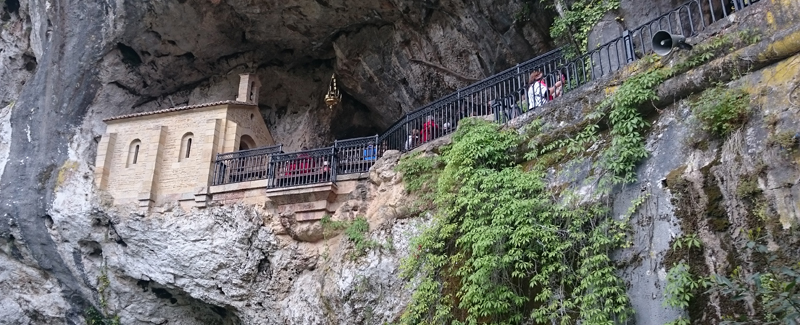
(628, 125)
(356, 232)
(785, 140)
(748, 187)
(523, 14)
(572, 145)
(419, 174)
(418, 171)
(102, 285)
(681, 287)
(500, 250)
(777, 292)
(94, 317)
(749, 36)
(689, 241)
(703, 53)
(331, 227)
(721, 110)
(576, 21)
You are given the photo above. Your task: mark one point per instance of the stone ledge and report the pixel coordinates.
(306, 203)
(350, 177)
(303, 193)
(216, 189)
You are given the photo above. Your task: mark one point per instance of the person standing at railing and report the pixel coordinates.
(412, 140)
(326, 172)
(428, 129)
(306, 162)
(370, 153)
(538, 91)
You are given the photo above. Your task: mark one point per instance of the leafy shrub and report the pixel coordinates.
(501, 250)
(785, 140)
(680, 289)
(420, 170)
(576, 21)
(94, 317)
(776, 292)
(357, 234)
(721, 110)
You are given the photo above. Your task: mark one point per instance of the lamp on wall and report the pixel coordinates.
(333, 96)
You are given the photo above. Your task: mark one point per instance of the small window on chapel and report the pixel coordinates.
(253, 91)
(186, 146)
(133, 153)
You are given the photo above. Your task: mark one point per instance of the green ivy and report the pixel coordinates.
(356, 232)
(689, 241)
(502, 250)
(721, 110)
(576, 21)
(776, 292)
(94, 316)
(680, 289)
(628, 125)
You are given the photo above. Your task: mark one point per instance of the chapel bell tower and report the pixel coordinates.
(248, 88)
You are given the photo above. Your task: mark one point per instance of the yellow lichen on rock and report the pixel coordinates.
(784, 46)
(66, 170)
(776, 79)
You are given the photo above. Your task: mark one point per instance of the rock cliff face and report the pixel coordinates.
(66, 65)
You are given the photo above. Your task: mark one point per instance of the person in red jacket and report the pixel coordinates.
(428, 129)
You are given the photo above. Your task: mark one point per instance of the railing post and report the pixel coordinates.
(377, 148)
(405, 137)
(271, 172)
(630, 55)
(334, 165)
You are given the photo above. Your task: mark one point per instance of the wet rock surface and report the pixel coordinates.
(66, 65)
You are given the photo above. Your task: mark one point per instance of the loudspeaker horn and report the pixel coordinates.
(663, 42)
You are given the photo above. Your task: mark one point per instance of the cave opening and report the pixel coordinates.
(129, 55)
(353, 120)
(30, 62)
(12, 6)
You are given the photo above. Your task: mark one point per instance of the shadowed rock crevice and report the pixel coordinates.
(67, 66)
(11, 6)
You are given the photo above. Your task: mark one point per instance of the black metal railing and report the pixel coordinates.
(502, 96)
(243, 166)
(356, 155)
(302, 168)
(505, 95)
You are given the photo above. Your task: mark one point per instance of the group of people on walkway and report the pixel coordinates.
(537, 92)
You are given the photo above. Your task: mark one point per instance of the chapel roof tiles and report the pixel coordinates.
(176, 109)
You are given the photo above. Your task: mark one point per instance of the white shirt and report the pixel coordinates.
(537, 94)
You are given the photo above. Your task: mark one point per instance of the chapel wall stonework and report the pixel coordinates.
(162, 172)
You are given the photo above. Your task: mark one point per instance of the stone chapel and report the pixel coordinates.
(151, 158)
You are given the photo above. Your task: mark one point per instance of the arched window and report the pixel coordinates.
(133, 152)
(252, 91)
(186, 146)
(246, 142)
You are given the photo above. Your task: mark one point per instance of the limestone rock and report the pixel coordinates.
(383, 169)
(65, 66)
